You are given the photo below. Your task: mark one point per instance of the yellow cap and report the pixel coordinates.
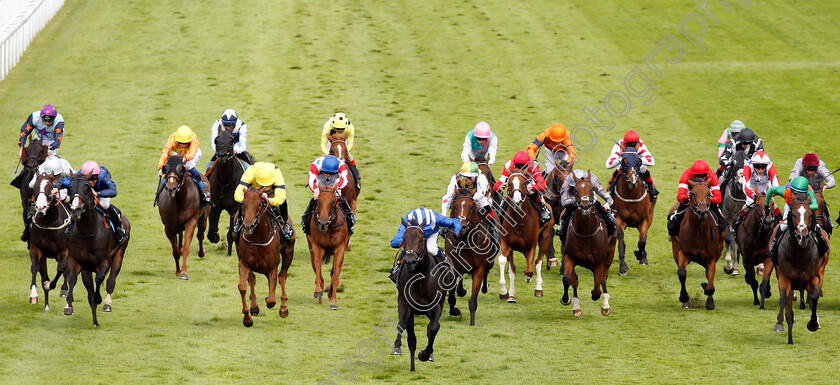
(184, 134)
(264, 174)
(339, 120)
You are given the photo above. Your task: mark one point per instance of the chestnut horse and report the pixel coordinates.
(521, 231)
(471, 251)
(800, 266)
(260, 249)
(633, 207)
(554, 183)
(328, 236)
(181, 212)
(589, 245)
(32, 156)
(753, 236)
(419, 293)
(338, 149)
(48, 240)
(700, 240)
(224, 176)
(92, 247)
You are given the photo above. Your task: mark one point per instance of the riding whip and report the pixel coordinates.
(157, 192)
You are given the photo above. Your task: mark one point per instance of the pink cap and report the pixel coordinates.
(482, 130)
(90, 168)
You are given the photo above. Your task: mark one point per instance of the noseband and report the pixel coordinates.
(333, 210)
(174, 190)
(263, 209)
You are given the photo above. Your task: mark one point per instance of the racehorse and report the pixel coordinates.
(554, 185)
(589, 245)
(48, 240)
(92, 247)
(224, 176)
(753, 236)
(823, 218)
(800, 265)
(733, 201)
(181, 212)
(471, 251)
(260, 249)
(338, 149)
(633, 206)
(32, 156)
(419, 293)
(328, 236)
(521, 231)
(699, 240)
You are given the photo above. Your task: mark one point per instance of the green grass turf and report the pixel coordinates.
(126, 74)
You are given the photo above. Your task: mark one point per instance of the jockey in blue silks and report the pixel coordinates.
(431, 222)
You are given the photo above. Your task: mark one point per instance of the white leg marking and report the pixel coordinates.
(606, 304)
(502, 262)
(34, 292)
(539, 276)
(575, 303)
(107, 299)
(511, 275)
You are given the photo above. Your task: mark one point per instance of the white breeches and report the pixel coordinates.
(551, 157)
(105, 203)
(432, 244)
(783, 224)
(191, 163)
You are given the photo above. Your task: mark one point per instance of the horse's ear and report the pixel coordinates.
(404, 223)
(589, 174)
(691, 183)
(574, 177)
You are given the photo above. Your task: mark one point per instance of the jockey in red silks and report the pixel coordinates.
(523, 164)
(759, 175)
(632, 140)
(699, 170)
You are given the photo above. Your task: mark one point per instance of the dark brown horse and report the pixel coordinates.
(700, 240)
(338, 149)
(471, 251)
(800, 265)
(753, 236)
(48, 240)
(181, 212)
(328, 237)
(823, 218)
(224, 176)
(554, 184)
(261, 248)
(419, 293)
(521, 231)
(92, 247)
(633, 207)
(32, 156)
(588, 244)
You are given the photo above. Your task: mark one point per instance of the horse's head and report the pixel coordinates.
(414, 244)
(253, 208)
(517, 188)
(81, 194)
(464, 208)
(224, 145)
(630, 164)
(801, 218)
(34, 154)
(44, 195)
(767, 221)
(338, 149)
(584, 195)
(174, 172)
(325, 212)
(700, 197)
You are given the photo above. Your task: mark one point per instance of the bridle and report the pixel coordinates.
(333, 211)
(180, 177)
(339, 153)
(694, 205)
(418, 254)
(584, 199)
(52, 201)
(263, 208)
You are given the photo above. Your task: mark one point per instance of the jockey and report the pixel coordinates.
(469, 177)
(523, 163)
(569, 202)
(700, 169)
(810, 165)
(327, 171)
(746, 140)
(184, 142)
(558, 146)
(728, 133)
(238, 129)
(48, 126)
(338, 127)
(431, 223)
(268, 176)
(631, 140)
(759, 175)
(104, 189)
(480, 144)
(58, 168)
(798, 185)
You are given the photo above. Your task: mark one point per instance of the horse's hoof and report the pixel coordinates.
(795, 296)
(511, 299)
(255, 310)
(527, 279)
(97, 298)
(213, 237)
(318, 294)
(685, 305)
(813, 326)
(106, 308)
(422, 356)
(779, 328)
(727, 270)
(248, 323)
(710, 305)
(270, 305)
(643, 261)
(33, 300)
(552, 262)
(538, 293)
(736, 272)
(333, 307)
(46, 307)
(606, 311)
(565, 301)
(623, 269)
(801, 306)
(201, 253)
(63, 293)
(284, 313)
(577, 313)
(396, 351)
(503, 296)
(461, 292)
(183, 276)
(455, 312)
(68, 310)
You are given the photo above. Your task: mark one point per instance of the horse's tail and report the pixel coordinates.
(327, 257)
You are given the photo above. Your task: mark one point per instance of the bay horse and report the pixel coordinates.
(633, 206)
(753, 236)
(260, 249)
(419, 293)
(587, 244)
(800, 265)
(699, 241)
(47, 227)
(823, 218)
(471, 251)
(554, 184)
(92, 247)
(338, 149)
(181, 213)
(521, 231)
(224, 176)
(733, 201)
(329, 234)
(32, 156)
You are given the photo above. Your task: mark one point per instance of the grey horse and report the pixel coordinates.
(733, 201)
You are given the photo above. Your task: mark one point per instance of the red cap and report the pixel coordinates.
(631, 136)
(810, 159)
(699, 167)
(520, 158)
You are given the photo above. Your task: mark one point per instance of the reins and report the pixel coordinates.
(257, 222)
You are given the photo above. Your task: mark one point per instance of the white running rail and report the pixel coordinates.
(20, 31)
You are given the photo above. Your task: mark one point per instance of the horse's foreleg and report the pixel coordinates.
(252, 281)
(512, 276)
(317, 254)
(784, 298)
(116, 265)
(568, 268)
(87, 279)
(189, 230)
(503, 292)
(605, 306)
(576, 311)
(412, 339)
(338, 260)
(404, 313)
(709, 286)
(244, 271)
(619, 233)
(476, 286)
(176, 249)
(453, 311)
(284, 272)
(213, 230)
(271, 300)
(789, 315)
(749, 277)
(73, 269)
(682, 263)
(35, 258)
(230, 234)
(641, 253)
(431, 332)
(597, 274)
(538, 289)
(764, 287)
(202, 225)
(814, 294)
(101, 272)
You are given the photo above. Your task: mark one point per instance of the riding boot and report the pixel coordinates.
(355, 171)
(394, 276)
(246, 157)
(722, 223)
(609, 218)
(307, 215)
(203, 187)
(17, 182)
(492, 230)
(675, 219)
(564, 223)
(542, 209)
(774, 246)
(649, 182)
(348, 214)
(822, 243)
(742, 215)
(25, 235)
(237, 224)
(286, 223)
(116, 220)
